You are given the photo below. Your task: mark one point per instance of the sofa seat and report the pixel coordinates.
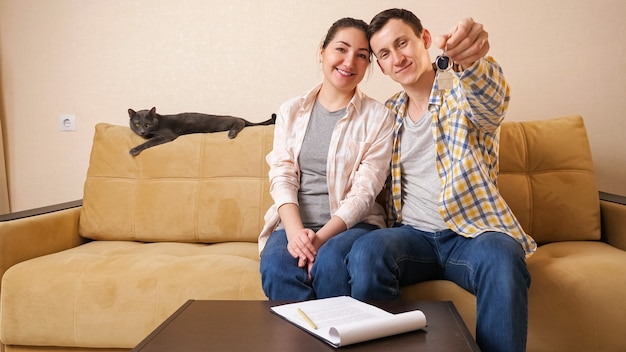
(162, 276)
(113, 293)
(586, 282)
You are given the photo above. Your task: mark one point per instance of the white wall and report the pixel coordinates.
(97, 58)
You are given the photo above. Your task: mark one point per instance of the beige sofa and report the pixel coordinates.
(181, 220)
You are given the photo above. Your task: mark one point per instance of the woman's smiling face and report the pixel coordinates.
(345, 59)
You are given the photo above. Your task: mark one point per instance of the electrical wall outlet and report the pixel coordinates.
(67, 123)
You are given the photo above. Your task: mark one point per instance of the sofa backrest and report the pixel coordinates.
(208, 188)
(197, 188)
(546, 177)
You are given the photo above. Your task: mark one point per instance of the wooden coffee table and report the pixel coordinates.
(250, 326)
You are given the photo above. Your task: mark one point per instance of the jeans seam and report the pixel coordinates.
(470, 269)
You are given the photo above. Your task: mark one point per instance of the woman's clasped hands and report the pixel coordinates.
(301, 246)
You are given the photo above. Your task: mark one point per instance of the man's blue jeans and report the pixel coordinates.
(283, 280)
(492, 266)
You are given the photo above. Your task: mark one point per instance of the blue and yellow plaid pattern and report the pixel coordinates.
(466, 125)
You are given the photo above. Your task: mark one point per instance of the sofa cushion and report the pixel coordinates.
(114, 293)
(577, 289)
(197, 188)
(546, 177)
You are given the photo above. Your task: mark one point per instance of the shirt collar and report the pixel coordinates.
(308, 99)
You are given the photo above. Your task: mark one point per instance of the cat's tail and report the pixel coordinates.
(271, 121)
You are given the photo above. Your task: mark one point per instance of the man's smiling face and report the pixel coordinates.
(400, 53)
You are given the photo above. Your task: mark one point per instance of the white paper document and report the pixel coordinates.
(342, 321)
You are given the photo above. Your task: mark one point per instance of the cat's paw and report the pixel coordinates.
(134, 151)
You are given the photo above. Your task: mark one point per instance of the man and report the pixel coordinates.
(449, 220)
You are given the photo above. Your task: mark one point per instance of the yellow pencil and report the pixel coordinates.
(307, 319)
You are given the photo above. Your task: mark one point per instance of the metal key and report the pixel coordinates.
(445, 79)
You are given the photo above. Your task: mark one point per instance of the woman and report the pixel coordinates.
(330, 159)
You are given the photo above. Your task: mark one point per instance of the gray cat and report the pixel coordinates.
(159, 129)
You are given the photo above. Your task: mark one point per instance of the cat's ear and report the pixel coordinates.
(131, 113)
(153, 111)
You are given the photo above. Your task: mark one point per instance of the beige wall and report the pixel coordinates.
(97, 58)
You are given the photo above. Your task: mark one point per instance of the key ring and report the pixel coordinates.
(443, 62)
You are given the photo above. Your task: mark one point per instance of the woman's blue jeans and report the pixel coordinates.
(492, 266)
(283, 280)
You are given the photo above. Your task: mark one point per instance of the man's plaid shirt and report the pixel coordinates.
(466, 125)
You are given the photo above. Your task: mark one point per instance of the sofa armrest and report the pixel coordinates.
(613, 213)
(37, 232)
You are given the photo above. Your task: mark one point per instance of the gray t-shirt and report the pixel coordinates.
(420, 187)
(313, 193)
